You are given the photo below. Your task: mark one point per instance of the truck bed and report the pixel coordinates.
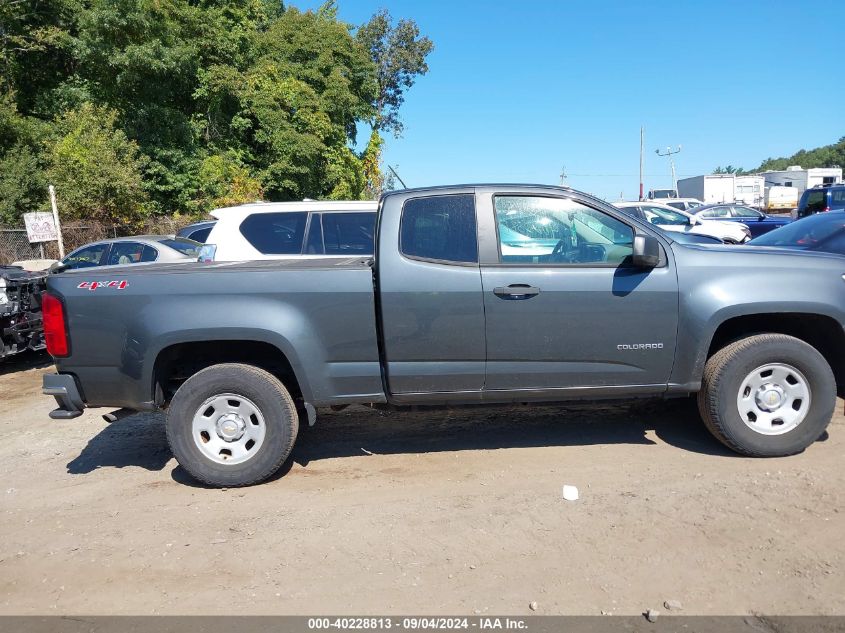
(123, 319)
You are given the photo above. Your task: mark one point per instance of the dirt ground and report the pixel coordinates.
(427, 512)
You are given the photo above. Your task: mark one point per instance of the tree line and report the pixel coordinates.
(135, 108)
(826, 156)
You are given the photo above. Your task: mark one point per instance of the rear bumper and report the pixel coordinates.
(64, 389)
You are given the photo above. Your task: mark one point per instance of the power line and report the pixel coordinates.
(568, 175)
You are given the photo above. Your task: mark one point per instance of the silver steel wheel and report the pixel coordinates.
(774, 399)
(228, 429)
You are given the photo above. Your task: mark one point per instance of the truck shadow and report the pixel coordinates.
(353, 433)
(24, 361)
(139, 440)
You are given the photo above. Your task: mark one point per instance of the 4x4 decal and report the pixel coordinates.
(93, 285)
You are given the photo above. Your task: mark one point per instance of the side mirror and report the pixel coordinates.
(646, 252)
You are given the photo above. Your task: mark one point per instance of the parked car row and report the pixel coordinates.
(676, 221)
(284, 230)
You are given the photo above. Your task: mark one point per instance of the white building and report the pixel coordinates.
(801, 179)
(709, 189)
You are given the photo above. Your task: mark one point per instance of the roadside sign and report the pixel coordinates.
(40, 227)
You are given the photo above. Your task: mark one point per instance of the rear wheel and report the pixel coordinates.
(767, 395)
(232, 425)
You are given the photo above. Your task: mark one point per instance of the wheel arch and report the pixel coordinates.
(176, 361)
(821, 331)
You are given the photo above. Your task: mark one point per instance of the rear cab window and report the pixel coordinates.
(440, 229)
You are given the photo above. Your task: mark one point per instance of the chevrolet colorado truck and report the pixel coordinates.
(475, 295)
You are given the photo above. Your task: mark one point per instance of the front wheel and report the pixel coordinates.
(767, 395)
(232, 425)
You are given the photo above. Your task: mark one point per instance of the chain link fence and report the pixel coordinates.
(15, 246)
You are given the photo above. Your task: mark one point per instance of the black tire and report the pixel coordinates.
(724, 374)
(269, 396)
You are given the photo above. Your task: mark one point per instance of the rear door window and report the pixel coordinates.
(716, 212)
(440, 228)
(275, 233)
(348, 233)
(149, 255)
(123, 253)
(745, 212)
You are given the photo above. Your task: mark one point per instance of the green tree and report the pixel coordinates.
(826, 156)
(200, 102)
(293, 111)
(730, 169)
(399, 53)
(36, 50)
(96, 169)
(22, 182)
(225, 182)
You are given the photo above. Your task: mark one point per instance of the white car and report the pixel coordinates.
(669, 219)
(288, 230)
(683, 204)
(139, 249)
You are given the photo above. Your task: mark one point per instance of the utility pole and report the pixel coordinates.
(563, 176)
(642, 160)
(52, 191)
(670, 152)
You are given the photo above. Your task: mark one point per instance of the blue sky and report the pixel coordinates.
(517, 90)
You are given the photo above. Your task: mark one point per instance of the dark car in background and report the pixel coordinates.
(198, 231)
(823, 233)
(758, 223)
(822, 199)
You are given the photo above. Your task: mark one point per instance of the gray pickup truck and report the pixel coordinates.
(476, 295)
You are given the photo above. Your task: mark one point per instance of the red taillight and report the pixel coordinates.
(826, 209)
(55, 328)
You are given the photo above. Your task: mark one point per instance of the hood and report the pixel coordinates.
(767, 255)
(18, 274)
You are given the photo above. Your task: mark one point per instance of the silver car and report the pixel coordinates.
(140, 249)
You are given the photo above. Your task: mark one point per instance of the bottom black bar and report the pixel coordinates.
(517, 624)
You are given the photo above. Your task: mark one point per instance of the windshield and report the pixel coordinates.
(659, 215)
(663, 193)
(804, 233)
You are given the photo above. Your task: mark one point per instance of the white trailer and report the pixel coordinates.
(780, 198)
(802, 179)
(709, 189)
(749, 190)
